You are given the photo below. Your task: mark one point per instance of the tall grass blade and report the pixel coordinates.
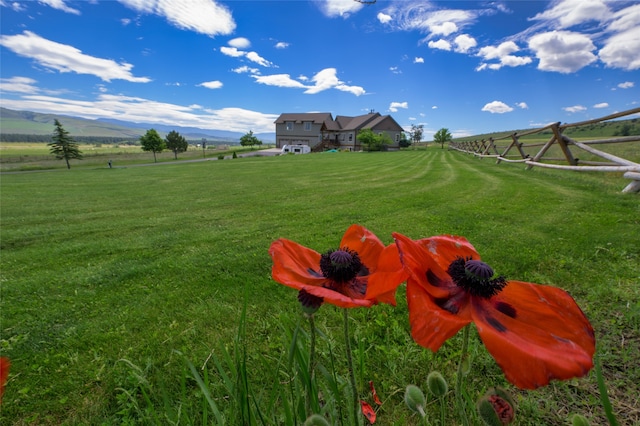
(604, 396)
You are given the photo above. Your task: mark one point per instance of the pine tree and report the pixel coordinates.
(63, 146)
(176, 143)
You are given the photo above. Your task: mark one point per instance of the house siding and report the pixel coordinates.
(324, 132)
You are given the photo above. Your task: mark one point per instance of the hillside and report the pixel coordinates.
(32, 123)
(597, 130)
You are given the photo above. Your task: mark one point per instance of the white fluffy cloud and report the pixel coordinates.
(279, 80)
(394, 106)
(503, 54)
(202, 16)
(601, 105)
(497, 107)
(575, 108)
(234, 52)
(65, 58)
(440, 44)
(522, 105)
(211, 84)
(19, 85)
(384, 18)
(562, 51)
(626, 85)
(569, 13)
(418, 60)
(60, 5)
(464, 42)
(240, 43)
(622, 50)
(323, 80)
(343, 8)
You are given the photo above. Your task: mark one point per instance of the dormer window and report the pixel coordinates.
(289, 125)
(307, 126)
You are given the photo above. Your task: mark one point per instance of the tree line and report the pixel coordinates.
(89, 140)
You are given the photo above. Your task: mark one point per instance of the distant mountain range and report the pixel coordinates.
(34, 123)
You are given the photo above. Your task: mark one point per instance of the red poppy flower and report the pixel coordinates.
(360, 273)
(535, 333)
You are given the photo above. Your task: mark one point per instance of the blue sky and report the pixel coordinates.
(472, 67)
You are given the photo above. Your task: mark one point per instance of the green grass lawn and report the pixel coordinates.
(107, 272)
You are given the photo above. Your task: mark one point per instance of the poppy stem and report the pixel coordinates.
(461, 368)
(352, 375)
(312, 359)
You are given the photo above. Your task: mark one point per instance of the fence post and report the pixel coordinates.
(565, 148)
(544, 149)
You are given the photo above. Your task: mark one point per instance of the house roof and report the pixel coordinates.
(343, 122)
(315, 117)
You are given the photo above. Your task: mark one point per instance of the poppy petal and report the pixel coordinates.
(295, 265)
(336, 298)
(535, 333)
(365, 243)
(388, 276)
(419, 261)
(444, 249)
(374, 393)
(431, 325)
(4, 373)
(368, 412)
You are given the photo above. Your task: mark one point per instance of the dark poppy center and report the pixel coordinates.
(341, 265)
(475, 277)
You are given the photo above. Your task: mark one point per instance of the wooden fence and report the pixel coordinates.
(511, 149)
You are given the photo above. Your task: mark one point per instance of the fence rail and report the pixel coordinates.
(510, 148)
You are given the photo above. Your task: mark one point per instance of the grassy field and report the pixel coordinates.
(106, 273)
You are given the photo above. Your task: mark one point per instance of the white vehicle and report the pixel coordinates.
(296, 149)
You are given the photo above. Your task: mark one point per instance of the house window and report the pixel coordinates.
(350, 137)
(289, 125)
(307, 126)
(397, 137)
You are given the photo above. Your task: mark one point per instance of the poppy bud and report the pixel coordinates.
(415, 400)
(310, 303)
(579, 420)
(437, 384)
(316, 420)
(496, 408)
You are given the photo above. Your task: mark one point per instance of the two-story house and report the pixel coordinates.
(320, 131)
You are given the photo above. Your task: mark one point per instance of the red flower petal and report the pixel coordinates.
(536, 333)
(4, 373)
(368, 412)
(363, 241)
(389, 274)
(374, 393)
(293, 264)
(444, 249)
(431, 325)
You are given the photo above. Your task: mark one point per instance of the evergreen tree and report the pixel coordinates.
(63, 146)
(176, 143)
